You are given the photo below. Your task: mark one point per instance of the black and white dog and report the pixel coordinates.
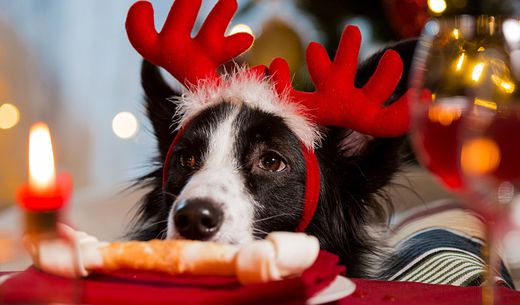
(237, 173)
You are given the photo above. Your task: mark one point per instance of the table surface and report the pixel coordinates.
(409, 293)
(371, 292)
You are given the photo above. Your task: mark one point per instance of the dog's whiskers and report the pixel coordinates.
(271, 217)
(153, 224)
(162, 234)
(255, 230)
(169, 194)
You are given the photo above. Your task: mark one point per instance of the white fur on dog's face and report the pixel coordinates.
(219, 179)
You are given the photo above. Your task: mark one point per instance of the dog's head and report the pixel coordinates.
(239, 157)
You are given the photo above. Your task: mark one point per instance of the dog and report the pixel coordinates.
(237, 171)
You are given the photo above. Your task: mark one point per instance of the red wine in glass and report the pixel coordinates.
(436, 136)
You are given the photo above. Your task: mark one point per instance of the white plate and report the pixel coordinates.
(338, 289)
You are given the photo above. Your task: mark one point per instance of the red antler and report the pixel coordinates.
(187, 59)
(337, 101)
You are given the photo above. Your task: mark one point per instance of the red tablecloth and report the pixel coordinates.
(408, 293)
(125, 288)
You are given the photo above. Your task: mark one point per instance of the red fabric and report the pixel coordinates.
(167, 160)
(337, 101)
(312, 188)
(187, 59)
(132, 288)
(409, 293)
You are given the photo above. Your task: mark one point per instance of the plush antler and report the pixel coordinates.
(336, 101)
(187, 59)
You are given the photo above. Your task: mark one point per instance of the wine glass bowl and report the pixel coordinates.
(470, 67)
(466, 130)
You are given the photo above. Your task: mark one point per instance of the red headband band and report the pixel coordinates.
(312, 181)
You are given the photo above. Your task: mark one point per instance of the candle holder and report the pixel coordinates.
(42, 212)
(42, 200)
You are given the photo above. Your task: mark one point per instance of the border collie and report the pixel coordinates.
(237, 170)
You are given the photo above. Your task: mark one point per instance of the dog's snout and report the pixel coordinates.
(197, 219)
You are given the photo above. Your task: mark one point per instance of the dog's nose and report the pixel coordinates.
(197, 219)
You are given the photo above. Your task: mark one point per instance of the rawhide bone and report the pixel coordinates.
(279, 255)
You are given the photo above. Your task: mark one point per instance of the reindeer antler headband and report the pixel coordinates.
(335, 102)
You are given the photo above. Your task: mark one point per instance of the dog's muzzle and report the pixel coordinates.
(198, 218)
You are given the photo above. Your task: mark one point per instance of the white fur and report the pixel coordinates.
(220, 180)
(244, 87)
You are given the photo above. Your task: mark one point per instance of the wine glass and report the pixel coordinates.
(465, 110)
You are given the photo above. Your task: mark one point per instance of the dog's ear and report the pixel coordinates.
(159, 105)
(406, 49)
(370, 163)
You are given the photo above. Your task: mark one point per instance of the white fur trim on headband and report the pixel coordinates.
(244, 87)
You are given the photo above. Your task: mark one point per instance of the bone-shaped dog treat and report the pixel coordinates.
(170, 256)
(281, 254)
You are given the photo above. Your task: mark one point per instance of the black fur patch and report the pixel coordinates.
(279, 193)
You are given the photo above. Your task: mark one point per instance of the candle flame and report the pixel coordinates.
(42, 172)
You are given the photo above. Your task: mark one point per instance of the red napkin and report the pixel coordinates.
(133, 288)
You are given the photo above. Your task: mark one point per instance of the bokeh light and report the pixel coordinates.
(9, 116)
(480, 156)
(437, 6)
(241, 28)
(125, 125)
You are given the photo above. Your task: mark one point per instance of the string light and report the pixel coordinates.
(460, 61)
(437, 6)
(485, 103)
(9, 116)
(503, 84)
(455, 33)
(477, 72)
(125, 125)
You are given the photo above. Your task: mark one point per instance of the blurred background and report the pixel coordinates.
(69, 63)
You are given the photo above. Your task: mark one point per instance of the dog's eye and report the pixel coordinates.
(272, 162)
(187, 160)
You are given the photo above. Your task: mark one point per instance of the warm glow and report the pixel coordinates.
(460, 61)
(9, 116)
(477, 72)
(42, 173)
(437, 6)
(505, 85)
(511, 30)
(444, 115)
(480, 156)
(125, 125)
(486, 104)
(241, 28)
(455, 33)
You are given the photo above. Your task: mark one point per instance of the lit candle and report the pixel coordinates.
(46, 191)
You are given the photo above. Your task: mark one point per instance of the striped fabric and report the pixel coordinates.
(440, 254)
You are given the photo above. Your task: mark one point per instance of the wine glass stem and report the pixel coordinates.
(489, 252)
